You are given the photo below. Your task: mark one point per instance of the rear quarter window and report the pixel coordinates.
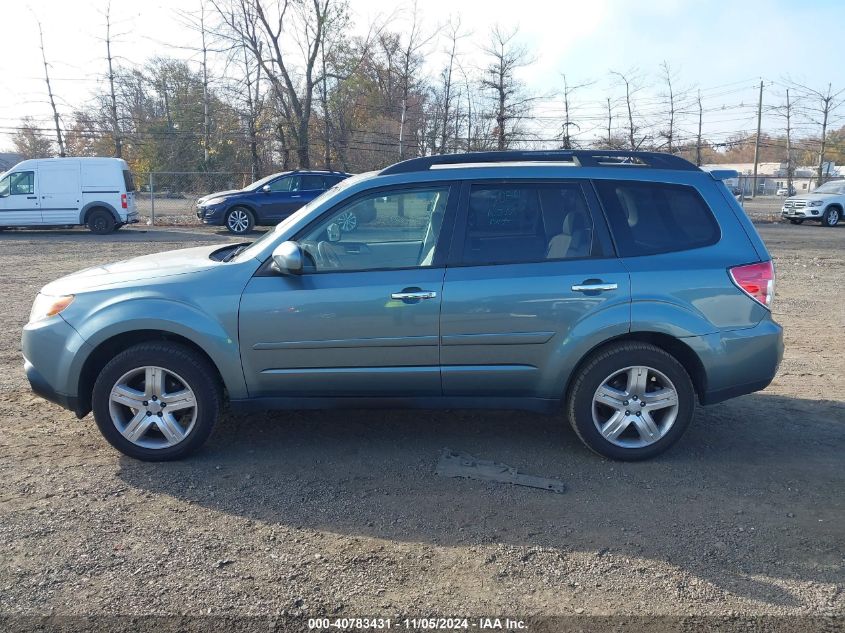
(649, 218)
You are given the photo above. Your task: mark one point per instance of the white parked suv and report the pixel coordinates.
(824, 204)
(95, 192)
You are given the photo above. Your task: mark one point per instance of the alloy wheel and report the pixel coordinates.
(238, 221)
(153, 407)
(832, 217)
(635, 407)
(347, 221)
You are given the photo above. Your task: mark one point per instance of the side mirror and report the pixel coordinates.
(288, 258)
(266, 188)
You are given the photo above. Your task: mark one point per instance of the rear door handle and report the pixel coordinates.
(421, 294)
(32, 197)
(591, 286)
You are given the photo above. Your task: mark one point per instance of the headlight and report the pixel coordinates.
(213, 201)
(46, 306)
(816, 203)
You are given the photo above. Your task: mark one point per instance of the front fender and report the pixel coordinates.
(169, 316)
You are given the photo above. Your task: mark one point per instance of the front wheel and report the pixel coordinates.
(239, 221)
(831, 217)
(156, 401)
(631, 401)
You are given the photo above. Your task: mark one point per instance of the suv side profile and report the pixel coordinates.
(269, 200)
(616, 288)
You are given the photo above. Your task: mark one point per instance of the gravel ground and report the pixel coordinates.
(329, 513)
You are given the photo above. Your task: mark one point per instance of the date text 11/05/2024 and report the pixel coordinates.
(432, 624)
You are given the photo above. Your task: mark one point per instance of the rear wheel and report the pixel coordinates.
(156, 401)
(631, 401)
(830, 217)
(794, 221)
(101, 222)
(240, 220)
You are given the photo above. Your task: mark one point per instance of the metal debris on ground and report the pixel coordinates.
(455, 464)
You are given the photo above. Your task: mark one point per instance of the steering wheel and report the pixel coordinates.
(328, 256)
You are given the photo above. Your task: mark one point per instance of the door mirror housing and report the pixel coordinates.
(266, 188)
(288, 258)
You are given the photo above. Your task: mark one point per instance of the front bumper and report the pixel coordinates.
(211, 215)
(805, 213)
(52, 354)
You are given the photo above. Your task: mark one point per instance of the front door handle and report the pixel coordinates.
(413, 295)
(593, 286)
(32, 197)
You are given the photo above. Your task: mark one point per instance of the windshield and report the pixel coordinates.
(253, 249)
(831, 187)
(260, 183)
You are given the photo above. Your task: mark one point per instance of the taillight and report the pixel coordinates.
(124, 203)
(756, 280)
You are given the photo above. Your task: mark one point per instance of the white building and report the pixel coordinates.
(772, 176)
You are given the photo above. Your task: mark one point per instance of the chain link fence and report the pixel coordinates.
(171, 197)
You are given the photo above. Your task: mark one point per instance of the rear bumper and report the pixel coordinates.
(738, 362)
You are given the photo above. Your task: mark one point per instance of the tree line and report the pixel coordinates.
(281, 84)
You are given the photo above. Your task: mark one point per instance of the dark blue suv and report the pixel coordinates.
(269, 200)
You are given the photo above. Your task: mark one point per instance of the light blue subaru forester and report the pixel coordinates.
(612, 288)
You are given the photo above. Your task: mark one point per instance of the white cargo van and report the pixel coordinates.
(96, 192)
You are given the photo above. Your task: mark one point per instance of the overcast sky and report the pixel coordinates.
(722, 46)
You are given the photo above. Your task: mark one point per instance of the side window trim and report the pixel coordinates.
(14, 182)
(443, 240)
(601, 231)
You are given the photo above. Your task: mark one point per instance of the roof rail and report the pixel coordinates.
(577, 157)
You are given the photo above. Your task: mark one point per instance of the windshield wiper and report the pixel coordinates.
(240, 249)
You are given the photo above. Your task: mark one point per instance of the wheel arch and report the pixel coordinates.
(98, 204)
(679, 350)
(110, 347)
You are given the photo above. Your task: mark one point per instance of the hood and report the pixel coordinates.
(218, 194)
(813, 196)
(147, 269)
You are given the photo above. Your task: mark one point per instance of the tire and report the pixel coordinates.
(100, 222)
(830, 217)
(183, 371)
(794, 221)
(240, 221)
(619, 362)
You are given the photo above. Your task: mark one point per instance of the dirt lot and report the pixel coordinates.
(341, 512)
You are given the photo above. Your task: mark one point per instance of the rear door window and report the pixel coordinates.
(649, 217)
(312, 183)
(513, 223)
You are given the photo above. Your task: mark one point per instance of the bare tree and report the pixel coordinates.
(410, 62)
(785, 111)
(265, 28)
(59, 140)
(511, 103)
(568, 123)
(819, 106)
(454, 35)
(631, 82)
(673, 100)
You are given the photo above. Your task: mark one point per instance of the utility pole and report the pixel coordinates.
(118, 145)
(206, 119)
(757, 140)
(50, 94)
(788, 146)
(698, 141)
(609, 122)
